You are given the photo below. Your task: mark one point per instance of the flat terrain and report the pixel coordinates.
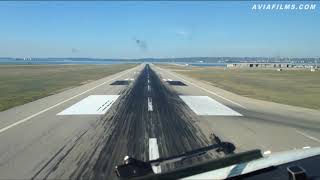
(292, 87)
(20, 84)
(38, 142)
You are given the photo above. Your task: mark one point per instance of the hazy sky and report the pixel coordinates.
(155, 29)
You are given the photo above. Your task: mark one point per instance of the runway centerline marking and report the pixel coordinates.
(267, 152)
(150, 107)
(58, 104)
(308, 136)
(154, 154)
(207, 90)
(149, 89)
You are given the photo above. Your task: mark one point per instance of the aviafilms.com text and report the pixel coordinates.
(287, 6)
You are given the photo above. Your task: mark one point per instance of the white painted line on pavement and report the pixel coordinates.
(204, 105)
(149, 89)
(308, 136)
(267, 152)
(91, 105)
(150, 108)
(47, 109)
(207, 90)
(154, 154)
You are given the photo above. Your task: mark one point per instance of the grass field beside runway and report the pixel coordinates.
(292, 87)
(20, 84)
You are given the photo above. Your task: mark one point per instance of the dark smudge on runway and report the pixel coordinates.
(127, 127)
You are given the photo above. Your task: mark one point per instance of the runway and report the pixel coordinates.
(38, 141)
(134, 123)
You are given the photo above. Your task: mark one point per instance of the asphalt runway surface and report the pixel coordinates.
(37, 143)
(132, 124)
(125, 130)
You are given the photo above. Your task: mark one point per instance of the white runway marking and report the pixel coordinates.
(58, 104)
(207, 90)
(149, 89)
(204, 105)
(308, 136)
(94, 104)
(267, 152)
(131, 79)
(126, 79)
(150, 107)
(154, 154)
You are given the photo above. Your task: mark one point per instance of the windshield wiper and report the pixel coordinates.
(136, 169)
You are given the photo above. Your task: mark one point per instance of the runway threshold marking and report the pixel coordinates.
(91, 105)
(204, 105)
(154, 154)
(207, 90)
(58, 104)
(308, 136)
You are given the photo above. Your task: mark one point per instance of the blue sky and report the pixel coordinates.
(167, 29)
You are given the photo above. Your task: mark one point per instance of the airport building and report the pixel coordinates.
(271, 65)
(260, 65)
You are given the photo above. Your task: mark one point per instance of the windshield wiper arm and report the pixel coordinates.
(133, 168)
